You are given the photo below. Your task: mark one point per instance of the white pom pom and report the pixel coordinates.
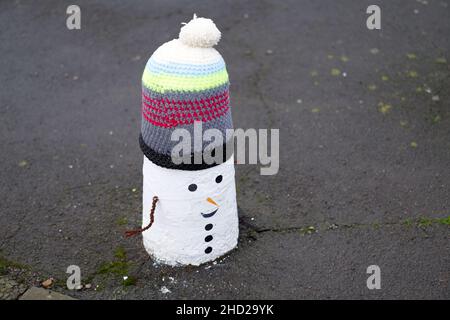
(200, 32)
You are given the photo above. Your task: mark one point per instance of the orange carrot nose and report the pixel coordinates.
(212, 202)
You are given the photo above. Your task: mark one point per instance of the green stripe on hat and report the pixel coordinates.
(161, 82)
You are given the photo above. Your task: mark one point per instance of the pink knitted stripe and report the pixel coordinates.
(185, 103)
(178, 115)
(176, 119)
(193, 106)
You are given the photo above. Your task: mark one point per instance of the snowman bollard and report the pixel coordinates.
(189, 209)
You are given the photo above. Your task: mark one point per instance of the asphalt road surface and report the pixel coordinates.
(364, 119)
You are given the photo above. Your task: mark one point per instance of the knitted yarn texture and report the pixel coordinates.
(185, 80)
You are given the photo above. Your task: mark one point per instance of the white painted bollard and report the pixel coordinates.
(189, 209)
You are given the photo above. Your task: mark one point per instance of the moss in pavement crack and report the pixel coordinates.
(305, 230)
(6, 264)
(119, 267)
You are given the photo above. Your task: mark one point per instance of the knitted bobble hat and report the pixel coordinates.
(185, 81)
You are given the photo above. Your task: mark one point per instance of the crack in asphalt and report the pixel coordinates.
(310, 229)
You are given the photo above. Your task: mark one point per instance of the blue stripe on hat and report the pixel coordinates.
(184, 69)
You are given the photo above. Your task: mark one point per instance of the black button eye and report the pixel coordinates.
(219, 179)
(192, 187)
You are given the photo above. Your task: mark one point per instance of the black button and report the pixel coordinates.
(208, 226)
(219, 179)
(192, 187)
(208, 238)
(208, 250)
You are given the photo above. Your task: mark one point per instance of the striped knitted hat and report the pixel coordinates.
(184, 81)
